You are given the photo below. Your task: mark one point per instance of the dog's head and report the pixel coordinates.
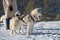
(36, 13)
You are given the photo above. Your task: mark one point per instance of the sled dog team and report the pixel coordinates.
(29, 20)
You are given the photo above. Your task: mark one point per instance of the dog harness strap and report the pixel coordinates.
(32, 18)
(21, 19)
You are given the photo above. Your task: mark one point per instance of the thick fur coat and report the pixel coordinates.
(29, 20)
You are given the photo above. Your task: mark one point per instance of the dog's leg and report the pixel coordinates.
(4, 22)
(11, 32)
(20, 29)
(14, 31)
(30, 28)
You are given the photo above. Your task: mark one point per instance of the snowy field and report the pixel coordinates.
(42, 31)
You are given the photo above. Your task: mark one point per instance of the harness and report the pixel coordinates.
(21, 19)
(29, 16)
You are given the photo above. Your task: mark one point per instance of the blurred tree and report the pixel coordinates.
(52, 17)
(30, 6)
(1, 8)
(46, 4)
(57, 17)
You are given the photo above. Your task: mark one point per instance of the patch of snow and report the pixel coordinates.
(4, 34)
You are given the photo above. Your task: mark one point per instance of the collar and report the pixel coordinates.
(31, 17)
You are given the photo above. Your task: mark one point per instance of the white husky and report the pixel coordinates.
(29, 20)
(3, 19)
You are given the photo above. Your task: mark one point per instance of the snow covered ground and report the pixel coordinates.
(42, 31)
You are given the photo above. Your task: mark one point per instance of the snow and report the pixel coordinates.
(38, 32)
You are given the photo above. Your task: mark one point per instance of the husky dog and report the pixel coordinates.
(15, 23)
(3, 20)
(29, 20)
